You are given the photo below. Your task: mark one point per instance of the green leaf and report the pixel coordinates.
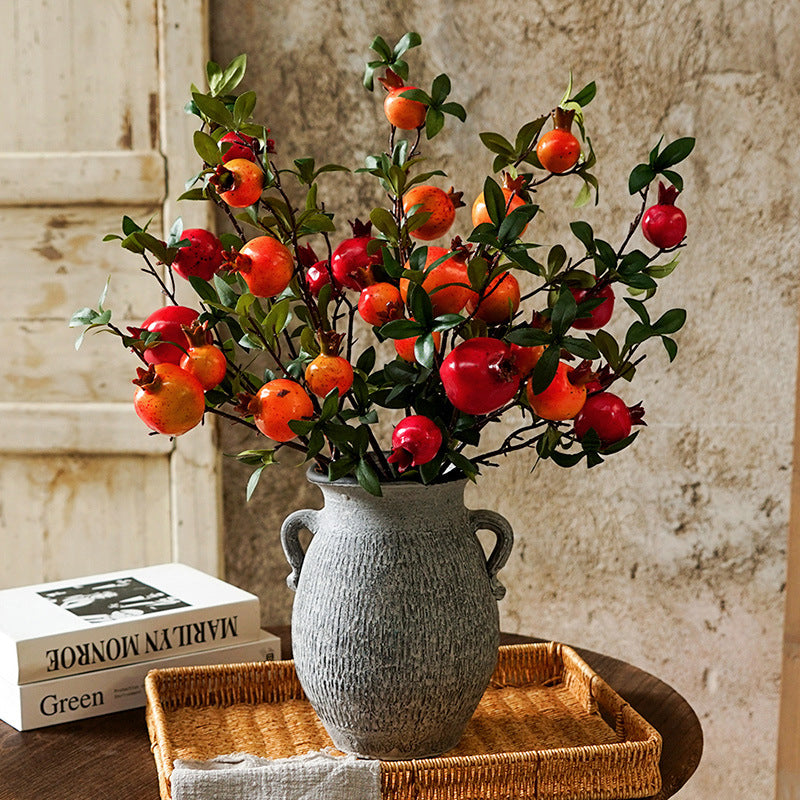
(641, 176)
(434, 122)
(305, 169)
(640, 281)
(330, 405)
(253, 481)
(213, 75)
(514, 224)
(339, 468)
(605, 256)
(104, 293)
(585, 193)
(455, 110)
(277, 317)
(175, 234)
(214, 110)
(243, 107)
(582, 348)
(671, 321)
(501, 162)
(463, 464)
(84, 316)
(232, 75)
(555, 260)
(670, 346)
(585, 95)
(477, 271)
(545, 369)
(382, 49)
(620, 445)
(673, 178)
(654, 153)
(207, 148)
(447, 322)
(674, 153)
(639, 309)
(227, 296)
(368, 81)
(420, 305)
(417, 220)
(563, 312)
(527, 133)
(440, 89)
(203, 289)
(520, 257)
(408, 40)
(495, 201)
(607, 346)
(662, 270)
(425, 350)
(367, 479)
(497, 143)
(302, 427)
(401, 329)
(584, 233)
(565, 460)
(638, 333)
(529, 337)
(366, 361)
(194, 194)
(331, 168)
(418, 95)
(129, 226)
(568, 92)
(633, 262)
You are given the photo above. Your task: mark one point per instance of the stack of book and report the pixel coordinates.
(79, 648)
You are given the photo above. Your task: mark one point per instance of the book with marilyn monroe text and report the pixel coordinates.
(99, 622)
(90, 694)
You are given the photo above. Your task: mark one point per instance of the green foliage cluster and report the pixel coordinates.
(287, 329)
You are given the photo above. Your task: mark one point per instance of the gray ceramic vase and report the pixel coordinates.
(395, 624)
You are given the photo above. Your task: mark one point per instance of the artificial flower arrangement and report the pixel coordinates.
(480, 327)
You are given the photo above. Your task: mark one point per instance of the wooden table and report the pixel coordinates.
(110, 756)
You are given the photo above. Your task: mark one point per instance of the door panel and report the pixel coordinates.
(83, 487)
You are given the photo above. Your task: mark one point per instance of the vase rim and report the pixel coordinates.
(320, 479)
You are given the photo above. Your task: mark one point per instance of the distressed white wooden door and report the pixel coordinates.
(93, 128)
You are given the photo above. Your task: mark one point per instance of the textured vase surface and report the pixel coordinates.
(395, 623)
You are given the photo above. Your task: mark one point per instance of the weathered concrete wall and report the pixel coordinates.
(672, 555)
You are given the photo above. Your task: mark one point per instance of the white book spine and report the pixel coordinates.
(51, 702)
(188, 630)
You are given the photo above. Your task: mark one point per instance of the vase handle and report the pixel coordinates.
(485, 520)
(290, 530)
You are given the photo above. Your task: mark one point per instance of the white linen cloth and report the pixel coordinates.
(318, 775)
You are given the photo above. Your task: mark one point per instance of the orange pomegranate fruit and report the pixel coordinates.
(440, 205)
(558, 150)
(168, 399)
(265, 264)
(276, 404)
(500, 301)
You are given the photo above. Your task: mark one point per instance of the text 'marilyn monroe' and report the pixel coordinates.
(131, 645)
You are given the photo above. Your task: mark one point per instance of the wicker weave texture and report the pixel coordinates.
(547, 728)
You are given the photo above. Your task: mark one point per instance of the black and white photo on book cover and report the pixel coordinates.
(112, 599)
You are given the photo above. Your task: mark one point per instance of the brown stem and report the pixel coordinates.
(636, 221)
(507, 447)
(308, 297)
(231, 218)
(151, 270)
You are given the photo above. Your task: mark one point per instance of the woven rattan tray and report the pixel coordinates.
(547, 727)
